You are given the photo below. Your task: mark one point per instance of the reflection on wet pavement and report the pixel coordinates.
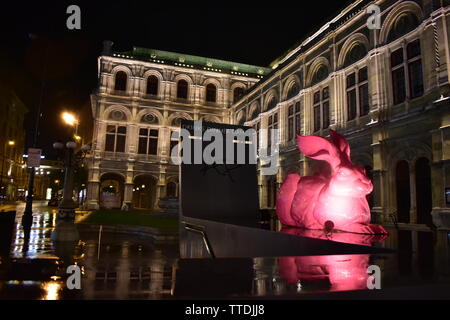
(133, 267)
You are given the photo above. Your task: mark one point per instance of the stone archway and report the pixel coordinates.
(144, 192)
(403, 192)
(111, 191)
(423, 191)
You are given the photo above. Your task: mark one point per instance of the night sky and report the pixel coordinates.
(247, 32)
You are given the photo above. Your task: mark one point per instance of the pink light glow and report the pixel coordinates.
(339, 272)
(328, 201)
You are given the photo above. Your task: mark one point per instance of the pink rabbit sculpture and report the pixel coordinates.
(328, 202)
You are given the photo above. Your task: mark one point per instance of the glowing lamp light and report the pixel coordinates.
(69, 118)
(328, 201)
(11, 143)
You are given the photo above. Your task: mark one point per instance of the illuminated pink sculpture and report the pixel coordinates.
(339, 272)
(331, 202)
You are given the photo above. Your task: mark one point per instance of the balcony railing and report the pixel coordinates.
(212, 104)
(181, 100)
(151, 97)
(108, 155)
(120, 93)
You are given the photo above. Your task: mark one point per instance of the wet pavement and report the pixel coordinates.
(118, 266)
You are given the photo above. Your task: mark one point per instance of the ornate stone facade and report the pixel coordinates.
(141, 98)
(387, 90)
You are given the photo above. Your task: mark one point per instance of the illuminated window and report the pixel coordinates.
(115, 138)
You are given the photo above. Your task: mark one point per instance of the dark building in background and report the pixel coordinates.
(12, 144)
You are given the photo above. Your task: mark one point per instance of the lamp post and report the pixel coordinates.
(67, 205)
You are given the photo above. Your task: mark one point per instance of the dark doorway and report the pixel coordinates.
(403, 192)
(144, 192)
(423, 192)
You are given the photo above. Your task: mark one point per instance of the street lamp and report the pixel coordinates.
(67, 205)
(69, 119)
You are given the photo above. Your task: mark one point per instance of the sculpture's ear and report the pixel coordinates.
(341, 144)
(319, 149)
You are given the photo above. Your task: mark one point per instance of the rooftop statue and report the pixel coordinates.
(335, 201)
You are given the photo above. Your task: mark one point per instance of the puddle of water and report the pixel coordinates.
(132, 267)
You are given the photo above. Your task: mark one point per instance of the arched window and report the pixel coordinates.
(177, 122)
(320, 75)
(182, 89)
(240, 119)
(254, 111)
(171, 190)
(404, 24)
(293, 91)
(356, 53)
(121, 81)
(149, 118)
(238, 93)
(272, 104)
(152, 85)
(117, 115)
(211, 93)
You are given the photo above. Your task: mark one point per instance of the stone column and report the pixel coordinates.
(128, 187)
(160, 187)
(93, 186)
(379, 177)
(93, 190)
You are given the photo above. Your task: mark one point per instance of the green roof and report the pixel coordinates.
(194, 62)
